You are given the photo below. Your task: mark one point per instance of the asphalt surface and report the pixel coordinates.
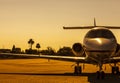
(50, 71)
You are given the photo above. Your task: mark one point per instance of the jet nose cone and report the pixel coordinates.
(100, 44)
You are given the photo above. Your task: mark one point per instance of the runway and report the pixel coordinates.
(49, 71)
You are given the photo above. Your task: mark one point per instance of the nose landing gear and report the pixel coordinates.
(77, 69)
(100, 73)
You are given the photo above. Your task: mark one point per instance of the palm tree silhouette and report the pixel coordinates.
(31, 42)
(38, 46)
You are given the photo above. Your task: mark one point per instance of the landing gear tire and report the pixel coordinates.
(77, 70)
(115, 70)
(100, 75)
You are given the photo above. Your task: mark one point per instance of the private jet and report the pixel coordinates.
(99, 47)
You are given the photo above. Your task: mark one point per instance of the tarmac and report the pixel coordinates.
(50, 71)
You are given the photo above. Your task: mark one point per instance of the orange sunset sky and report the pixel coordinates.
(43, 20)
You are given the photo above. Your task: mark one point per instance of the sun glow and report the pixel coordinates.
(43, 20)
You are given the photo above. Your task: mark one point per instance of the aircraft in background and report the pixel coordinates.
(99, 47)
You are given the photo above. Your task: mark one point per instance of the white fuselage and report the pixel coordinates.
(99, 44)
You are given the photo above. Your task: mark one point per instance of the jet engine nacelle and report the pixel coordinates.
(78, 49)
(117, 50)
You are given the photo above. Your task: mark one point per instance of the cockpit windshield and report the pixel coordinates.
(100, 33)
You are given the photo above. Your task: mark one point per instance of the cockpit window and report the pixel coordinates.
(99, 33)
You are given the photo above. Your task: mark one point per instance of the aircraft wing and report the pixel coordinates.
(62, 58)
(115, 59)
(65, 58)
(112, 60)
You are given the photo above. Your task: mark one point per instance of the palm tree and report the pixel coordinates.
(38, 46)
(31, 42)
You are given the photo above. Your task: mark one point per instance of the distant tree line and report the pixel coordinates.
(64, 51)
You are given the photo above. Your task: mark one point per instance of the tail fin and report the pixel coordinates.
(94, 22)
